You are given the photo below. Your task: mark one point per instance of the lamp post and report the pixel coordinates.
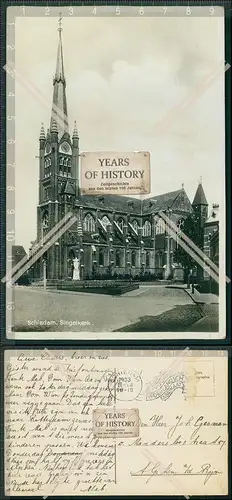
(81, 250)
(142, 258)
(56, 264)
(192, 283)
(45, 273)
(110, 249)
(154, 220)
(168, 251)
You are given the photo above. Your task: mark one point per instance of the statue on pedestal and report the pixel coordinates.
(76, 269)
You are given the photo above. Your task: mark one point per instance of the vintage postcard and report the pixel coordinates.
(116, 205)
(115, 423)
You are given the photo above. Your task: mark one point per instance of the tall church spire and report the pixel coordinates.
(59, 103)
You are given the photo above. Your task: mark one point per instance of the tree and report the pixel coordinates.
(193, 229)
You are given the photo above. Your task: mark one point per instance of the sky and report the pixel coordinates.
(141, 83)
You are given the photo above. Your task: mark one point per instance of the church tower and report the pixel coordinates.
(59, 164)
(200, 205)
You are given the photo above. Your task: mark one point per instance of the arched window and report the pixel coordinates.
(65, 162)
(71, 255)
(105, 221)
(101, 257)
(180, 223)
(45, 168)
(147, 228)
(159, 259)
(47, 193)
(61, 160)
(147, 258)
(160, 226)
(118, 258)
(133, 258)
(121, 223)
(45, 220)
(69, 167)
(89, 223)
(135, 225)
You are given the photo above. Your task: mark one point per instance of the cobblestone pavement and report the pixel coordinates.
(35, 309)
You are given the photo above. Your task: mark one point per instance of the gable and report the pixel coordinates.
(182, 203)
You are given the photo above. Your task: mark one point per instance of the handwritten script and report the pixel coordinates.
(51, 447)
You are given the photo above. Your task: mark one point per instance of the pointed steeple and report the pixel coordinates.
(200, 198)
(54, 127)
(59, 103)
(42, 132)
(75, 132)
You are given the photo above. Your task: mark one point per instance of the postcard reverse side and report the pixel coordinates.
(90, 423)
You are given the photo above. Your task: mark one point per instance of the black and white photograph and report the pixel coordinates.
(119, 174)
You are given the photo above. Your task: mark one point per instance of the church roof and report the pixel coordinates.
(161, 202)
(111, 202)
(200, 198)
(18, 250)
(132, 205)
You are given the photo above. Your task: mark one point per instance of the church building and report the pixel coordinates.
(114, 235)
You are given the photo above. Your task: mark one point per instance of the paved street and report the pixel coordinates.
(88, 312)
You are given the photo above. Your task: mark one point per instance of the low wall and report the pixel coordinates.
(103, 287)
(99, 283)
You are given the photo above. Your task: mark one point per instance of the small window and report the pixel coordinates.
(180, 223)
(135, 225)
(89, 223)
(147, 228)
(45, 220)
(105, 221)
(118, 258)
(147, 259)
(121, 223)
(101, 257)
(160, 226)
(133, 258)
